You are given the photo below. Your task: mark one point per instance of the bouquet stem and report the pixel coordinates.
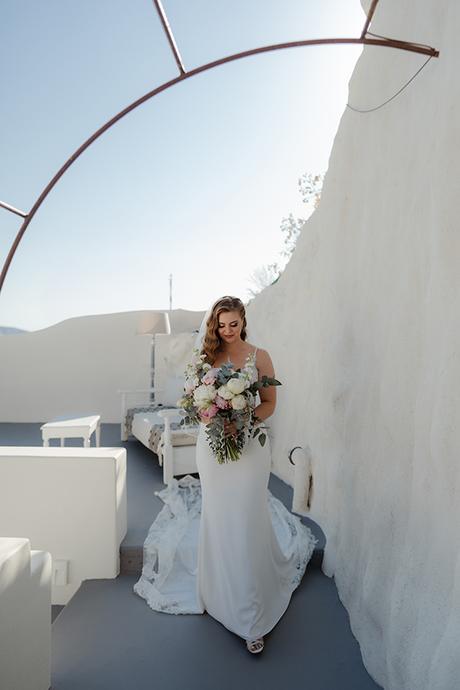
(230, 450)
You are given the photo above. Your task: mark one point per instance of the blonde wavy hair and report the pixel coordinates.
(212, 340)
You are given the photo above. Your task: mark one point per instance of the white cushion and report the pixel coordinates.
(173, 390)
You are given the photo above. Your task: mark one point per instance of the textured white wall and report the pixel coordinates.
(364, 331)
(76, 367)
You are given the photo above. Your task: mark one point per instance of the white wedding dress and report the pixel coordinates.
(224, 544)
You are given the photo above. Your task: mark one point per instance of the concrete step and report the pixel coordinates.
(131, 559)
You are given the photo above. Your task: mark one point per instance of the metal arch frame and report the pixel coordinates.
(183, 74)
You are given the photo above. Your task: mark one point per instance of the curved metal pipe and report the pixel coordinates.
(386, 43)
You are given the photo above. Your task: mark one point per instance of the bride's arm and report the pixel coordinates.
(268, 394)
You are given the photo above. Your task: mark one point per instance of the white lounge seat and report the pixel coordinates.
(25, 616)
(70, 502)
(174, 446)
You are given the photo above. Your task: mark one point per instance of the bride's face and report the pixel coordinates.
(229, 326)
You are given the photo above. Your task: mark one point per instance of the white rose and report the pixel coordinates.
(206, 367)
(238, 402)
(204, 393)
(225, 392)
(236, 386)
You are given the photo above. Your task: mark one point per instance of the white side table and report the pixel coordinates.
(82, 427)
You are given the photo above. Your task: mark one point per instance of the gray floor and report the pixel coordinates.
(108, 638)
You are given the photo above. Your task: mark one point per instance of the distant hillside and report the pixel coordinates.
(9, 330)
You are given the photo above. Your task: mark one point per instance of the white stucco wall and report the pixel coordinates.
(364, 331)
(76, 367)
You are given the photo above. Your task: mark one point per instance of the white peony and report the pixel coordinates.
(236, 386)
(204, 393)
(238, 402)
(204, 404)
(225, 392)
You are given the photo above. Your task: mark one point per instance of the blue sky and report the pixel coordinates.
(195, 182)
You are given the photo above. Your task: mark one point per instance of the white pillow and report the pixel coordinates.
(173, 390)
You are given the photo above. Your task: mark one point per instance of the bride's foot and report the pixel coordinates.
(255, 646)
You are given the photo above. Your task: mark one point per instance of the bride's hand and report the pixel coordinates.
(229, 428)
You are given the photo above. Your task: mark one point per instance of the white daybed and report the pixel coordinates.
(155, 418)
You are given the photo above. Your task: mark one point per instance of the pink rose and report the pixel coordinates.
(209, 413)
(210, 377)
(221, 403)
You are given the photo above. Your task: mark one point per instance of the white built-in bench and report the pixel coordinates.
(25, 616)
(70, 502)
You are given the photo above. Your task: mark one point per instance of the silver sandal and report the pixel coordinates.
(255, 646)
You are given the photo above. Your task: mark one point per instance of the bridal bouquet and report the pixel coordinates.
(219, 395)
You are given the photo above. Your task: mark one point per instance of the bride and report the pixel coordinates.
(224, 544)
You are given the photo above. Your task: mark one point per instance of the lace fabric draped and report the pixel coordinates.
(168, 579)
